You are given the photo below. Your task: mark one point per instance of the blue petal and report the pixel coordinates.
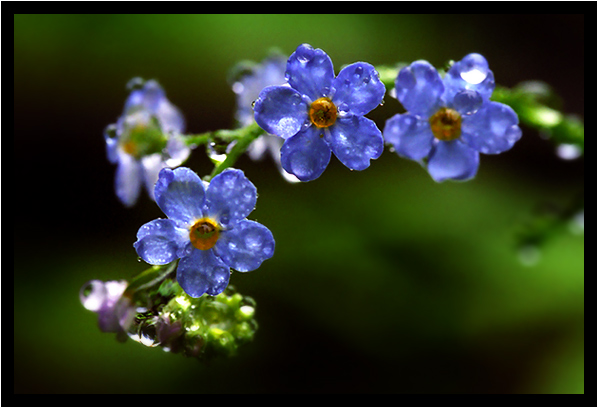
(410, 136)
(419, 88)
(245, 246)
(310, 72)
(467, 102)
(306, 154)
(230, 197)
(202, 272)
(160, 241)
(281, 111)
(149, 97)
(170, 117)
(453, 160)
(359, 87)
(128, 179)
(470, 73)
(492, 129)
(180, 194)
(355, 140)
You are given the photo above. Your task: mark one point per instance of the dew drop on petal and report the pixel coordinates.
(474, 69)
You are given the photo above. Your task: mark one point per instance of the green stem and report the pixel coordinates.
(530, 100)
(244, 137)
(149, 277)
(222, 135)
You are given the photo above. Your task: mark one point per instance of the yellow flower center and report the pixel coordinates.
(204, 233)
(322, 112)
(446, 124)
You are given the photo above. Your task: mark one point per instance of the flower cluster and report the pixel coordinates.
(145, 139)
(302, 113)
(206, 229)
(319, 113)
(450, 120)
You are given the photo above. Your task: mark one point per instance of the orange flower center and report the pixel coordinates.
(322, 112)
(204, 233)
(446, 124)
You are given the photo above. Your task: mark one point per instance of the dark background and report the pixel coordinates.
(383, 281)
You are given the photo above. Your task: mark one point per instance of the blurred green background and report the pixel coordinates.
(382, 282)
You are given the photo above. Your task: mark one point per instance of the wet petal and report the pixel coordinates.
(310, 72)
(419, 88)
(180, 194)
(230, 197)
(159, 241)
(410, 136)
(305, 155)
(355, 140)
(453, 160)
(281, 111)
(245, 246)
(467, 102)
(202, 272)
(128, 179)
(359, 87)
(492, 129)
(470, 73)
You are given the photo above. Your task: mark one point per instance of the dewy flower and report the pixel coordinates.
(319, 113)
(450, 121)
(115, 312)
(206, 229)
(247, 87)
(145, 139)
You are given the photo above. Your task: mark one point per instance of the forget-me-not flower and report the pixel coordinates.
(450, 120)
(145, 139)
(247, 88)
(206, 228)
(320, 113)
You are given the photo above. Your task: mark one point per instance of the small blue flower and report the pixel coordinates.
(206, 228)
(145, 139)
(450, 120)
(247, 88)
(320, 113)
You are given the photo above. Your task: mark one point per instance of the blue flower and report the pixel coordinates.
(320, 113)
(450, 120)
(145, 139)
(247, 87)
(206, 228)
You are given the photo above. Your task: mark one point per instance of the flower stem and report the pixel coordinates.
(149, 277)
(243, 137)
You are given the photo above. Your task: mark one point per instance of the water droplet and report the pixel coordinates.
(474, 68)
(568, 151)
(358, 71)
(382, 102)
(111, 131)
(92, 295)
(215, 152)
(148, 335)
(135, 83)
(253, 104)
